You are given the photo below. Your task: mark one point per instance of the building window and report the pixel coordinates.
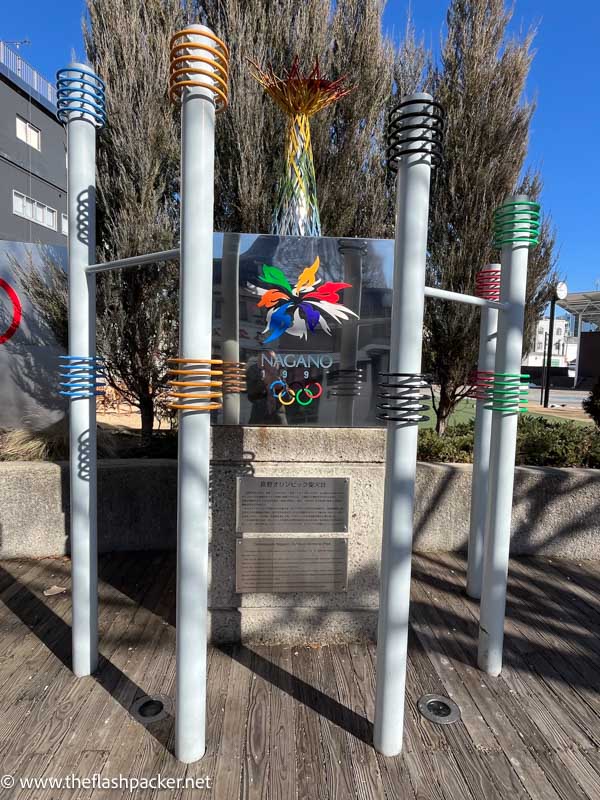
(64, 224)
(539, 347)
(28, 133)
(24, 206)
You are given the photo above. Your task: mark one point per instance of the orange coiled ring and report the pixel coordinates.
(234, 377)
(196, 373)
(197, 64)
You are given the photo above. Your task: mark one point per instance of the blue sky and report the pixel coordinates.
(565, 81)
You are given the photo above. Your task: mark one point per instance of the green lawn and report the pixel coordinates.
(465, 412)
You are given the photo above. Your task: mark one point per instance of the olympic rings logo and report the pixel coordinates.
(287, 395)
(16, 311)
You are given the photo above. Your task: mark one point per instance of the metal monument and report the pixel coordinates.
(198, 83)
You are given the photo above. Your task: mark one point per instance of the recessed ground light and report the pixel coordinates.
(151, 708)
(439, 709)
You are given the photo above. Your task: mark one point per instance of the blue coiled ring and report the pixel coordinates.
(80, 91)
(81, 374)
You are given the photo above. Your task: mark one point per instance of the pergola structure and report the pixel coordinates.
(585, 306)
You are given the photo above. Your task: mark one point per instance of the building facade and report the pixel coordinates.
(33, 169)
(564, 345)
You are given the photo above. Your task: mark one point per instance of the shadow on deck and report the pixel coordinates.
(297, 722)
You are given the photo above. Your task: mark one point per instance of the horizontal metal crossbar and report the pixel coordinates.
(469, 299)
(135, 261)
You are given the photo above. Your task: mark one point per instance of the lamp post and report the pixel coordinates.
(559, 293)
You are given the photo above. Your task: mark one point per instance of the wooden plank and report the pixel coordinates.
(570, 607)
(153, 737)
(362, 701)
(83, 703)
(554, 662)
(543, 707)
(561, 778)
(354, 734)
(593, 758)
(134, 745)
(282, 746)
(86, 764)
(421, 679)
(255, 775)
(437, 640)
(32, 624)
(46, 682)
(310, 770)
(493, 765)
(422, 760)
(229, 764)
(582, 770)
(422, 775)
(219, 669)
(29, 768)
(449, 615)
(496, 700)
(448, 773)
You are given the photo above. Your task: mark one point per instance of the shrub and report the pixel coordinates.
(456, 445)
(540, 442)
(553, 443)
(49, 444)
(591, 404)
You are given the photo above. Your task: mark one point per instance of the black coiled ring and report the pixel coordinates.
(404, 119)
(401, 397)
(345, 382)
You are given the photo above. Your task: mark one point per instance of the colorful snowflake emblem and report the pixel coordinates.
(303, 308)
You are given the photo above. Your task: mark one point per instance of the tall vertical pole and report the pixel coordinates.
(412, 213)
(81, 107)
(230, 318)
(197, 88)
(549, 352)
(488, 328)
(516, 229)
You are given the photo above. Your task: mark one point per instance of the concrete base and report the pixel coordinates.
(292, 625)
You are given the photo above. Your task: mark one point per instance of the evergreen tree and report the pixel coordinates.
(480, 83)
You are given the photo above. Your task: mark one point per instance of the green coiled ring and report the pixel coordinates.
(517, 222)
(506, 393)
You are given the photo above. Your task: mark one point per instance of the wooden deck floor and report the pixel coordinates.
(297, 722)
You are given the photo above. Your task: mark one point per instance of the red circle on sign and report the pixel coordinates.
(17, 311)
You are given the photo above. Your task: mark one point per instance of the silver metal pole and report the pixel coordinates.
(195, 293)
(81, 121)
(230, 290)
(135, 261)
(444, 294)
(412, 211)
(515, 252)
(488, 328)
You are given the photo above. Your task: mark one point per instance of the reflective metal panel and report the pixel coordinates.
(291, 565)
(313, 325)
(292, 505)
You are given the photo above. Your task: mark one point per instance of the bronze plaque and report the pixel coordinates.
(277, 564)
(292, 505)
